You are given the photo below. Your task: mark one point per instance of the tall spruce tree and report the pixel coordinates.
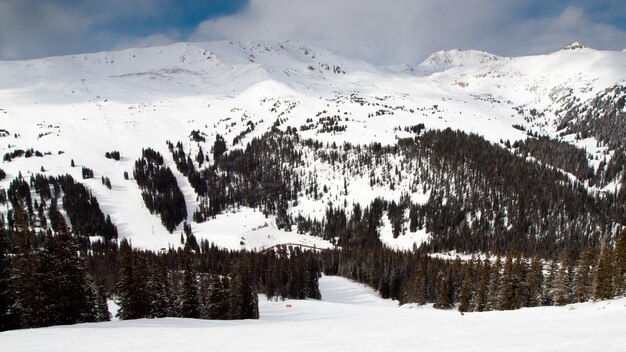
(443, 293)
(603, 280)
(218, 305)
(62, 294)
(311, 277)
(133, 298)
(582, 284)
(506, 296)
(479, 299)
(102, 306)
(22, 284)
(534, 281)
(244, 302)
(550, 284)
(467, 287)
(563, 287)
(189, 299)
(520, 282)
(416, 290)
(620, 264)
(493, 296)
(90, 315)
(203, 296)
(7, 318)
(158, 285)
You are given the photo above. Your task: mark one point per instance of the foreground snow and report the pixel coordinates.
(350, 318)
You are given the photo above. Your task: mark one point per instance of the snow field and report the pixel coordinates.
(350, 317)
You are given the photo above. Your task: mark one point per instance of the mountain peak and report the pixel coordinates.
(573, 46)
(445, 59)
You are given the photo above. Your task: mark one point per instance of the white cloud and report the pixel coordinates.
(148, 41)
(571, 25)
(381, 31)
(408, 30)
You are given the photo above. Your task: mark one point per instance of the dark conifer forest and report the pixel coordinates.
(159, 189)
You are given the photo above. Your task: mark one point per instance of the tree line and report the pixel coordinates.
(484, 284)
(207, 283)
(54, 281)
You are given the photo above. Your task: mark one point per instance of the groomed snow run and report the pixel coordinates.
(349, 318)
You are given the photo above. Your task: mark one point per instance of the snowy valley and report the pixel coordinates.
(348, 310)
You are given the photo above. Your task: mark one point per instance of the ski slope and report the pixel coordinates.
(349, 318)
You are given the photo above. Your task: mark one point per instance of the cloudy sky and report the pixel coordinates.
(379, 31)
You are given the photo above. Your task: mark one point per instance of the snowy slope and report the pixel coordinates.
(532, 82)
(87, 105)
(349, 318)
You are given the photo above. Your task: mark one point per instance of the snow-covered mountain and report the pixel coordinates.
(444, 60)
(80, 107)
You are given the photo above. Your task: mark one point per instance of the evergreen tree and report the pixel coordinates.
(7, 318)
(133, 298)
(200, 157)
(520, 284)
(103, 313)
(219, 147)
(581, 290)
(189, 300)
(416, 290)
(493, 297)
(550, 284)
(467, 287)
(269, 286)
(443, 294)
(158, 285)
(620, 263)
(203, 296)
(563, 288)
(534, 281)
(90, 315)
(218, 304)
(244, 302)
(506, 297)
(479, 300)
(455, 278)
(63, 295)
(311, 277)
(603, 280)
(22, 284)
